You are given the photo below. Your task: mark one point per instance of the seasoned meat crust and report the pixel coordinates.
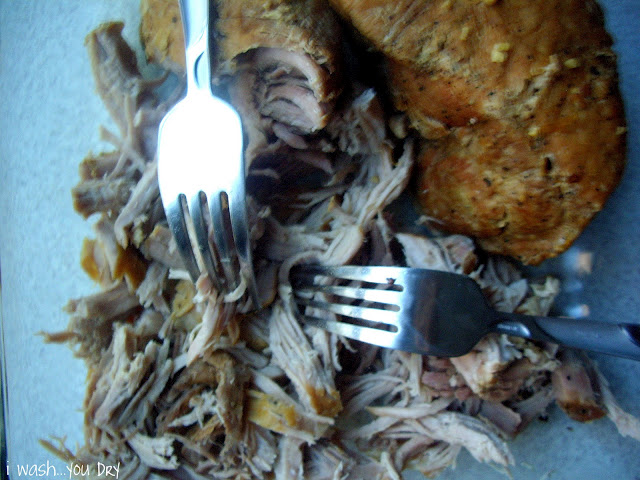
(161, 33)
(520, 105)
(302, 26)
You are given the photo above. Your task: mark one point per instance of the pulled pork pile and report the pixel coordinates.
(184, 383)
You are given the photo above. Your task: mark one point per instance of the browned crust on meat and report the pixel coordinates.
(524, 196)
(306, 26)
(524, 99)
(161, 33)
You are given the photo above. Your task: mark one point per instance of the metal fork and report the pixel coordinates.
(201, 169)
(434, 313)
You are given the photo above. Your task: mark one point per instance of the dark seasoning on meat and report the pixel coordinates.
(184, 383)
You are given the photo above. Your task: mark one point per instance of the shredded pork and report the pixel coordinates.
(184, 383)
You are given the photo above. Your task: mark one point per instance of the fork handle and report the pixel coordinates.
(619, 339)
(195, 24)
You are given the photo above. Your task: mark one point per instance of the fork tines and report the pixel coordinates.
(208, 242)
(389, 276)
(356, 302)
(210, 219)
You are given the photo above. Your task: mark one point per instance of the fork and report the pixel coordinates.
(434, 313)
(201, 169)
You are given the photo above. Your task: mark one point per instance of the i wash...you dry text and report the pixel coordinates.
(73, 470)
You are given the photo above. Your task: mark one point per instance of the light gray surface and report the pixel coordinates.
(49, 120)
